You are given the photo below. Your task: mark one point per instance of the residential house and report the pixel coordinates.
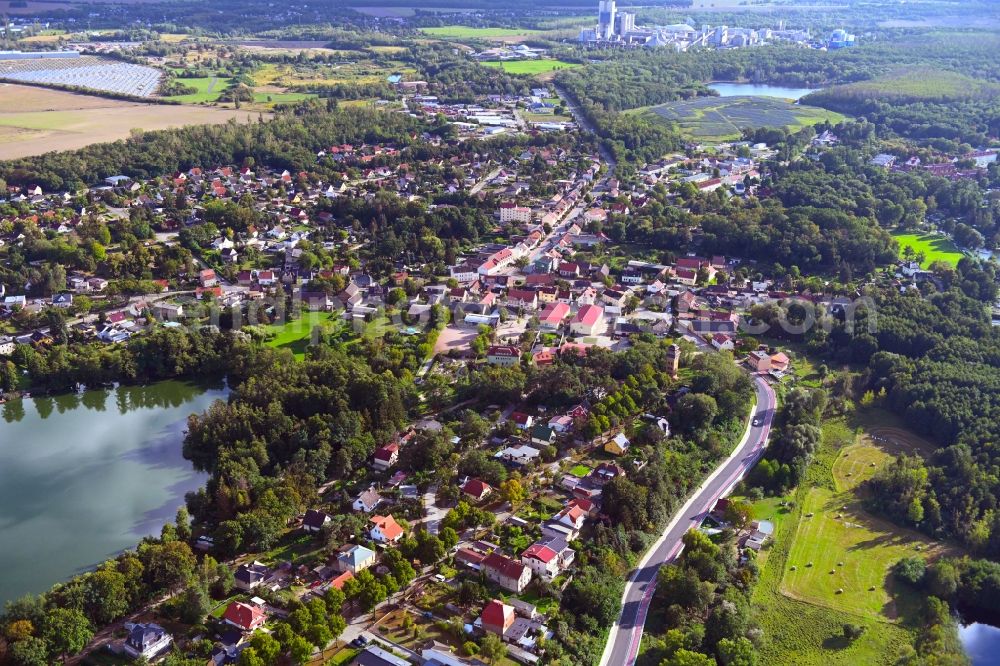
(522, 298)
(567, 523)
(339, 581)
(355, 559)
(503, 355)
(367, 501)
(314, 521)
(552, 316)
(548, 557)
(385, 529)
(385, 456)
(476, 489)
(589, 320)
(146, 640)
(542, 435)
(246, 617)
(760, 361)
(779, 362)
(509, 574)
(617, 445)
(207, 278)
(521, 420)
(250, 576)
(519, 454)
(497, 617)
(373, 655)
(723, 342)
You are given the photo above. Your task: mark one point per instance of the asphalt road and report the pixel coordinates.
(623, 641)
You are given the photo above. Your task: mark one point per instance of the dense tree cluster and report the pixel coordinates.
(705, 601)
(795, 437)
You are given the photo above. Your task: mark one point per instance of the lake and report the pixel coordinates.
(981, 642)
(84, 476)
(758, 90)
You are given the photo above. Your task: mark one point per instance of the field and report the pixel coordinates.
(803, 610)
(912, 84)
(276, 83)
(210, 88)
(723, 118)
(935, 247)
(38, 120)
(297, 333)
(533, 67)
(492, 34)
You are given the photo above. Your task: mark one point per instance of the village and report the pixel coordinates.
(479, 554)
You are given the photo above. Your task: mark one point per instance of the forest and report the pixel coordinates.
(935, 361)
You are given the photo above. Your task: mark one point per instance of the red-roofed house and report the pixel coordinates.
(522, 298)
(497, 617)
(553, 315)
(503, 355)
(244, 616)
(509, 574)
(568, 269)
(385, 529)
(339, 581)
(589, 320)
(722, 342)
(385, 456)
(547, 558)
(522, 420)
(207, 278)
(476, 489)
(779, 362)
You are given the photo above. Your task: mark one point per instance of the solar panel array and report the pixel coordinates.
(86, 72)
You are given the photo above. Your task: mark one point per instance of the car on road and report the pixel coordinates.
(757, 421)
(359, 642)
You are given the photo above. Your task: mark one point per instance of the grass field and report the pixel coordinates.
(533, 67)
(580, 471)
(723, 118)
(38, 120)
(801, 611)
(935, 247)
(210, 88)
(297, 333)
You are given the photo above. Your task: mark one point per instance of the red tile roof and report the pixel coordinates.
(244, 615)
(391, 530)
(588, 315)
(497, 614)
(540, 553)
(507, 567)
(476, 488)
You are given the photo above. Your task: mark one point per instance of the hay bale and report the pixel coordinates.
(871, 589)
(809, 565)
(840, 590)
(833, 571)
(794, 567)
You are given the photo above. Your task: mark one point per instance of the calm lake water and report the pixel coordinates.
(758, 90)
(981, 643)
(83, 477)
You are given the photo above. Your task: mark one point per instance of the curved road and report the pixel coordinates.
(623, 642)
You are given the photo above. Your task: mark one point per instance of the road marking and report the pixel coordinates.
(765, 408)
